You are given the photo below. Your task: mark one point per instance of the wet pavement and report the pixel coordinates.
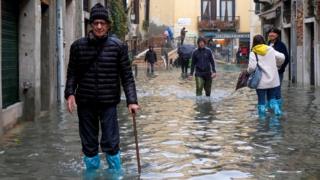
(181, 137)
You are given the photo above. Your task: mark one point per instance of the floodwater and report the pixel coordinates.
(181, 137)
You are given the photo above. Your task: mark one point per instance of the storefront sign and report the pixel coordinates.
(223, 35)
(184, 21)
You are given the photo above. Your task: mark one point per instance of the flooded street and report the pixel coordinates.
(181, 137)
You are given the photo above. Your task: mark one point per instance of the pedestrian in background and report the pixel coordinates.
(268, 60)
(204, 67)
(184, 61)
(278, 45)
(168, 36)
(150, 58)
(183, 34)
(98, 66)
(185, 53)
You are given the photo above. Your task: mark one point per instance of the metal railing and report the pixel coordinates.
(137, 45)
(219, 23)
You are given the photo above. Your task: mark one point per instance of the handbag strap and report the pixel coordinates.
(257, 59)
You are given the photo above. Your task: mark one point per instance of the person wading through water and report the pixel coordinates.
(204, 67)
(98, 65)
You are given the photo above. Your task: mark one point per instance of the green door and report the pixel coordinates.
(10, 62)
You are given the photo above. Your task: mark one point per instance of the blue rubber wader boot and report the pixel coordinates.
(261, 111)
(92, 162)
(274, 104)
(279, 101)
(114, 162)
(268, 108)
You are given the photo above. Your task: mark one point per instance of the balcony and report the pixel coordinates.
(220, 23)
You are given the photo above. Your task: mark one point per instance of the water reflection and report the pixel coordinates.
(180, 136)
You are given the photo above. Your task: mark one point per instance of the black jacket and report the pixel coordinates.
(96, 68)
(202, 62)
(151, 56)
(281, 47)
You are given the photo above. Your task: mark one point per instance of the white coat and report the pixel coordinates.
(269, 63)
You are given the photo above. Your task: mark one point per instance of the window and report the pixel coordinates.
(135, 12)
(86, 5)
(208, 9)
(227, 9)
(147, 10)
(257, 8)
(310, 7)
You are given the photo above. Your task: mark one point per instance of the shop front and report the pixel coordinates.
(231, 47)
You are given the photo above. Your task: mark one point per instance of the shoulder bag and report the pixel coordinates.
(255, 77)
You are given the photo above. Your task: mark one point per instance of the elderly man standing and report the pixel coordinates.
(98, 66)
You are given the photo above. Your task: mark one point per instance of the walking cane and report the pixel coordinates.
(136, 141)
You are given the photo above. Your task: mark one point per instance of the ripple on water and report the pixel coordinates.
(203, 161)
(223, 175)
(174, 155)
(161, 175)
(172, 142)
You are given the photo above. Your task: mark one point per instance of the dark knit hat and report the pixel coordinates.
(201, 39)
(98, 11)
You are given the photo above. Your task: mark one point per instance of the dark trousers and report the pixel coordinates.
(278, 89)
(263, 93)
(166, 56)
(203, 83)
(150, 68)
(90, 117)
(182, 40)
(184, 65)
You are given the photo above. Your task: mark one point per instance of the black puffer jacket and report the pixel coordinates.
(96, 68)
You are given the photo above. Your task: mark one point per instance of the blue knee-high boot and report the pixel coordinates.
(274, 104)
(279, 101)
(92, 162)
(114, 161)
(268, 106)
(262, 110)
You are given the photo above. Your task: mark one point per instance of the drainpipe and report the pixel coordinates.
(60, 52)
(293, 45)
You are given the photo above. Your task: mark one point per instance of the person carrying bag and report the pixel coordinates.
(266, 60)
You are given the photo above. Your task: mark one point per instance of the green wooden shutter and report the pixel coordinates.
(10, 62)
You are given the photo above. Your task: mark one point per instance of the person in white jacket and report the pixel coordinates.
(269, 60)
